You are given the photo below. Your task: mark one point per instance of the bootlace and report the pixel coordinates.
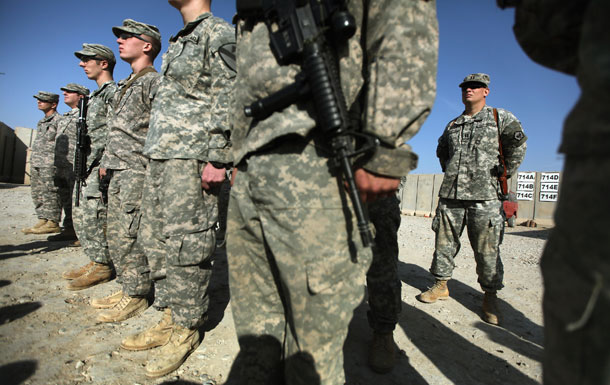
(122, 304)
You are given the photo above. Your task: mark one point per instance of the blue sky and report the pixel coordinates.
(38, 39)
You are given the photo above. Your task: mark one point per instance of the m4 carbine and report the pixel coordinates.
(82, 148)
(305, 32)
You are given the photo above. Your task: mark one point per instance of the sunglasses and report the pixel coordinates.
(472, 86)
(127, 35)
(86, 59)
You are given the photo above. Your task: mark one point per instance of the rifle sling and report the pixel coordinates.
(133, 79)
(501, 178)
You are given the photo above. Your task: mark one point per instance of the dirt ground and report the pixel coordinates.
(48, 334)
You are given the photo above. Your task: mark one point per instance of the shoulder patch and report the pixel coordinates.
(227, 54)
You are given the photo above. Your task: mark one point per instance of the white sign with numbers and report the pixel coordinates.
(549, 186)
(525, 186)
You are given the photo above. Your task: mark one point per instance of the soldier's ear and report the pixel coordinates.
(147, 48)
(485, 92)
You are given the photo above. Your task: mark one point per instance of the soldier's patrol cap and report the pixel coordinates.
(476, 78)
(73, 87)
(137, 28)
(97, 51)
(49, 97)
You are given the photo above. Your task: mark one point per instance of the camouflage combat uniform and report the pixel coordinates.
(44, 192)
(469, 194)
(188, 128)
(127, 127)
(65, 144)
(90, 215)
(573, 37)
(296, 261)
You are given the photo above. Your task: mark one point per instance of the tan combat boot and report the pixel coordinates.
(169, 357)
(126, 308)
(48, 228)
(28, 230)
(382, 353)
(97, 273)
(108, 301)
(491, 313)
(157, 335)
(75, 273)
(438, 291)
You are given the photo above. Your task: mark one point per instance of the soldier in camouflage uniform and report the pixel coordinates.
(188, 144)
(89, 217)
(470, 193)
(42, 171)
(296, 261)
(128, 124)
(573, 37)
(65, 144)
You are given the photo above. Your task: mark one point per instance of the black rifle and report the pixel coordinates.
(82, 148)
(306, 32)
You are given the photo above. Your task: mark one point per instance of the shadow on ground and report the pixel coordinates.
(38, 246)
(10, 185)
(13, 312)
(17, 372)
(460, 360)
(538, 234)
(517, 332)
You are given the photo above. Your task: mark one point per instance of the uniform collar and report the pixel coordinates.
(189, 27)
(101, 88)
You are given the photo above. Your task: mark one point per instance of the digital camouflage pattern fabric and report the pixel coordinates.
(99, 109)
(485, 225)
(468, 153)
(90, 216)
(178, 237)
(44, 192)
(388, 38)
(95, 51)
(296, 262)
(128, 125)
(123, 222)
(65, 141)
(65, 145)
(575, 263)
(43, 148)
(189, 127)
(129, 121)
(190, 119)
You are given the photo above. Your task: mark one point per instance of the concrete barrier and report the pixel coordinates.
(15, 155)
(419, 196)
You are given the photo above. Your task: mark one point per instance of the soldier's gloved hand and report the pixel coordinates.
(372, 187)
(498, 170)
(212, 176)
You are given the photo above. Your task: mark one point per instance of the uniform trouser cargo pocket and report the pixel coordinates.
(191, 249)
